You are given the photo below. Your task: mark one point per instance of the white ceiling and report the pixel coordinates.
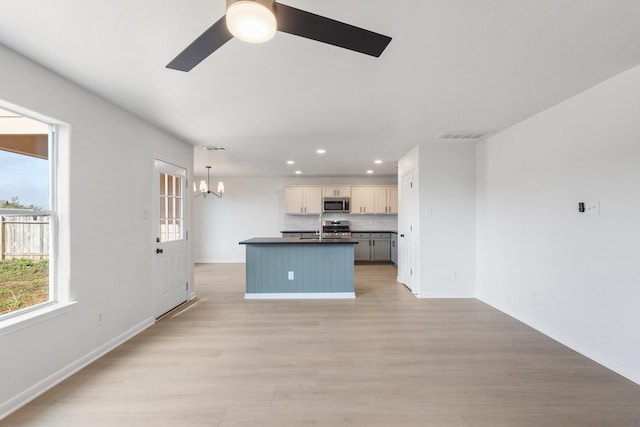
(453, 65)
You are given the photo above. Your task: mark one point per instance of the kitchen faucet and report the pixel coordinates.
(320, 227)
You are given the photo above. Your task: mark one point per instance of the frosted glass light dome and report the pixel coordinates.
(251, 21)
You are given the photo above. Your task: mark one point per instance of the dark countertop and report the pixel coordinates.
(374, 231)
(353, 231)
(296, 241)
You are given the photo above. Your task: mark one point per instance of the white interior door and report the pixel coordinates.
(405, 237)
(171, 250)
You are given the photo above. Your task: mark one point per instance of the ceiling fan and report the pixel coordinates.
(256, 21)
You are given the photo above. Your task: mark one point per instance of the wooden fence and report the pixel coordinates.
(24, 236)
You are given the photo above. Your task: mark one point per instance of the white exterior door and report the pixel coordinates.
(170, 251)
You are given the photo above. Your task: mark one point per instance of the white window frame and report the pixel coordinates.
(178, 175)
(58, 302)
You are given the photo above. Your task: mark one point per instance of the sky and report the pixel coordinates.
(24, 177)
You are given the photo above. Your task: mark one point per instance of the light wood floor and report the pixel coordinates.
(383, 359)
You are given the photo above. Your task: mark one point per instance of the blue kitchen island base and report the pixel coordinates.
(286, 268)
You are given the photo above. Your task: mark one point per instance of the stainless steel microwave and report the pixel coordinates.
(335, 205)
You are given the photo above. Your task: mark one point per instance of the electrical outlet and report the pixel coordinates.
(99, 317)
(291, 275)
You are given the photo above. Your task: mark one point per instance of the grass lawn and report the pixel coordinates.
(23, 283)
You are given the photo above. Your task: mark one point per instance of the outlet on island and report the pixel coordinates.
(290, 275)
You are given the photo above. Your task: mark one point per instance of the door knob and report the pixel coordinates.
(402, 235)
(159, 251)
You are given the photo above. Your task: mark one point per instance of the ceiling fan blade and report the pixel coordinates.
(214, 37)
(315, 27)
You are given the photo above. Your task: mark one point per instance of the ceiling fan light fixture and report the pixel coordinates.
(251, 21)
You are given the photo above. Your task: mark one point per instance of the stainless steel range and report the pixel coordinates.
(336, 229)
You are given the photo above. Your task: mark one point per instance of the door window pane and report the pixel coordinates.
(171, 207)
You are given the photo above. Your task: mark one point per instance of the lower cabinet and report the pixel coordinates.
(362, 251)
(380, 246)
(303, 234)
(394, 248)
(291, 234)
(372, 246)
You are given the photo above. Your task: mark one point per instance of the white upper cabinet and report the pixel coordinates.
(387, 200)
(336, 192)
(363, 200)
(313, 200)
(374, 200)
(303, 200)
(392, 199)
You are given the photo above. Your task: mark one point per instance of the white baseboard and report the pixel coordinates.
(219, 261)
(300, 295)
(446, 295)
(585, 350)
(36, 390)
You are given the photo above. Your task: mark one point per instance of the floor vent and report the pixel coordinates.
(464, 135)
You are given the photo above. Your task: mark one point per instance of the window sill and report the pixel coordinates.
(13, 324)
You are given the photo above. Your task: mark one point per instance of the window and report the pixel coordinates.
(27, 215)
(171, 207)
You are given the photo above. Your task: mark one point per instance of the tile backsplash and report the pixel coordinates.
(358, 222)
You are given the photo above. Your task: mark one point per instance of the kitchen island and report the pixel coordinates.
(293, 267)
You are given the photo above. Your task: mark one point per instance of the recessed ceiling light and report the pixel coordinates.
(321, 151)
(298, 172)
(212, 148)
(377, 162)
(369, 171)
(290, 162)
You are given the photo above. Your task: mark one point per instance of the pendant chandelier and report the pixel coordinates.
(205, 188)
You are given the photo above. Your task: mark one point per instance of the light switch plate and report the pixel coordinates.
(593, 208)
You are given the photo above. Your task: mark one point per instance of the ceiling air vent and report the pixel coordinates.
(467, 135)
(212, 148)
